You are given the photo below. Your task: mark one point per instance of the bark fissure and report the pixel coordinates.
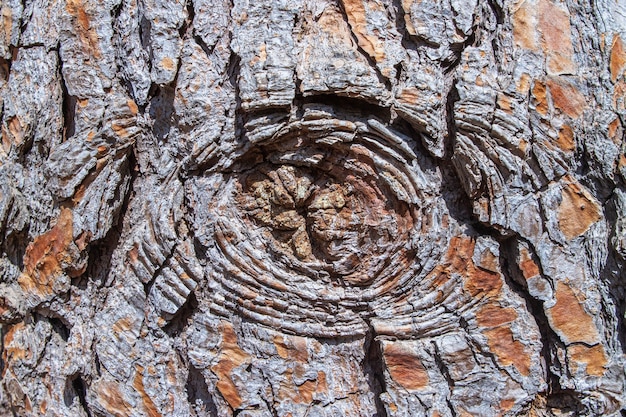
(350, 208)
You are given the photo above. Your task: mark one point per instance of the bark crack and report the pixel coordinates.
(373, 370)
(446, 374)
(370, 60)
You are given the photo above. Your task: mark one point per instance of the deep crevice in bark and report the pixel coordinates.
(614, 271)
(179, 322)
(145, 28)
(199, 395)
(68, 105)
(5, 71)
(161, 111)
(14, 246)
(451, 99)
(497, 11)
(60, 328)
(100, 253)
(350, 105)
(373, 370)
(233, 71)
(191, 14)
(75, 387)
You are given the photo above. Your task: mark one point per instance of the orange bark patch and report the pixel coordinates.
(13, 132)
(477, 281)
(86, 33)
(554, 26)
(16, 129)
(504, 103)
(507, 350)
(565, 140)
(493, 315)
(618, 58)
(119, 130)
(332, 23)
(123, 325)
(404, 367)
(303, 393)
(110, 398)
(231, 356)
(322, 385)
(45, 256)
(133, 254)
(545, 23)
(406, 6)
(460, 253)
(132, 106)
(541, 102)
(409, 95)
(7, 20)
(506, 405)
(525, 26)
(357, 18)
(578, 210)
(138, 384)
(489, 261)
(528, 266)
(567, 98)
(13, 351)
(569, 318)
(291, 347)
(167, 63)
(500, 338)
(615, 131)
(523, 84)
(306, 391)
(594, 358)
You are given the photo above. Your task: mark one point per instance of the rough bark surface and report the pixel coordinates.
(312, 207)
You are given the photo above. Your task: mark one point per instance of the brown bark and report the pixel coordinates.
(312, 208)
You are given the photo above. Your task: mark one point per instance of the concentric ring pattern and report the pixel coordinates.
(316, 224)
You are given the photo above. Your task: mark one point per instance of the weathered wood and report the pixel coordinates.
(312, 208)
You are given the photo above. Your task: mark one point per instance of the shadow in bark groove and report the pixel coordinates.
(161, 111)
(75, 387)
(199, 396)
(233, 70)
(14, 247)
(373, 370)
(101, 252)
(179, 322)
(60, 328)
(350, 105)
(614, 270)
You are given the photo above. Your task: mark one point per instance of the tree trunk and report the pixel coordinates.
(312, 207)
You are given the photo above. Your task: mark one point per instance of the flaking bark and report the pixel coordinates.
(312, 208)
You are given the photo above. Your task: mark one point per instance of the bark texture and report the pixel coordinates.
(312, 207)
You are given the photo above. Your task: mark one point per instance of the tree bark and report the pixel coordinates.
(312, 207)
